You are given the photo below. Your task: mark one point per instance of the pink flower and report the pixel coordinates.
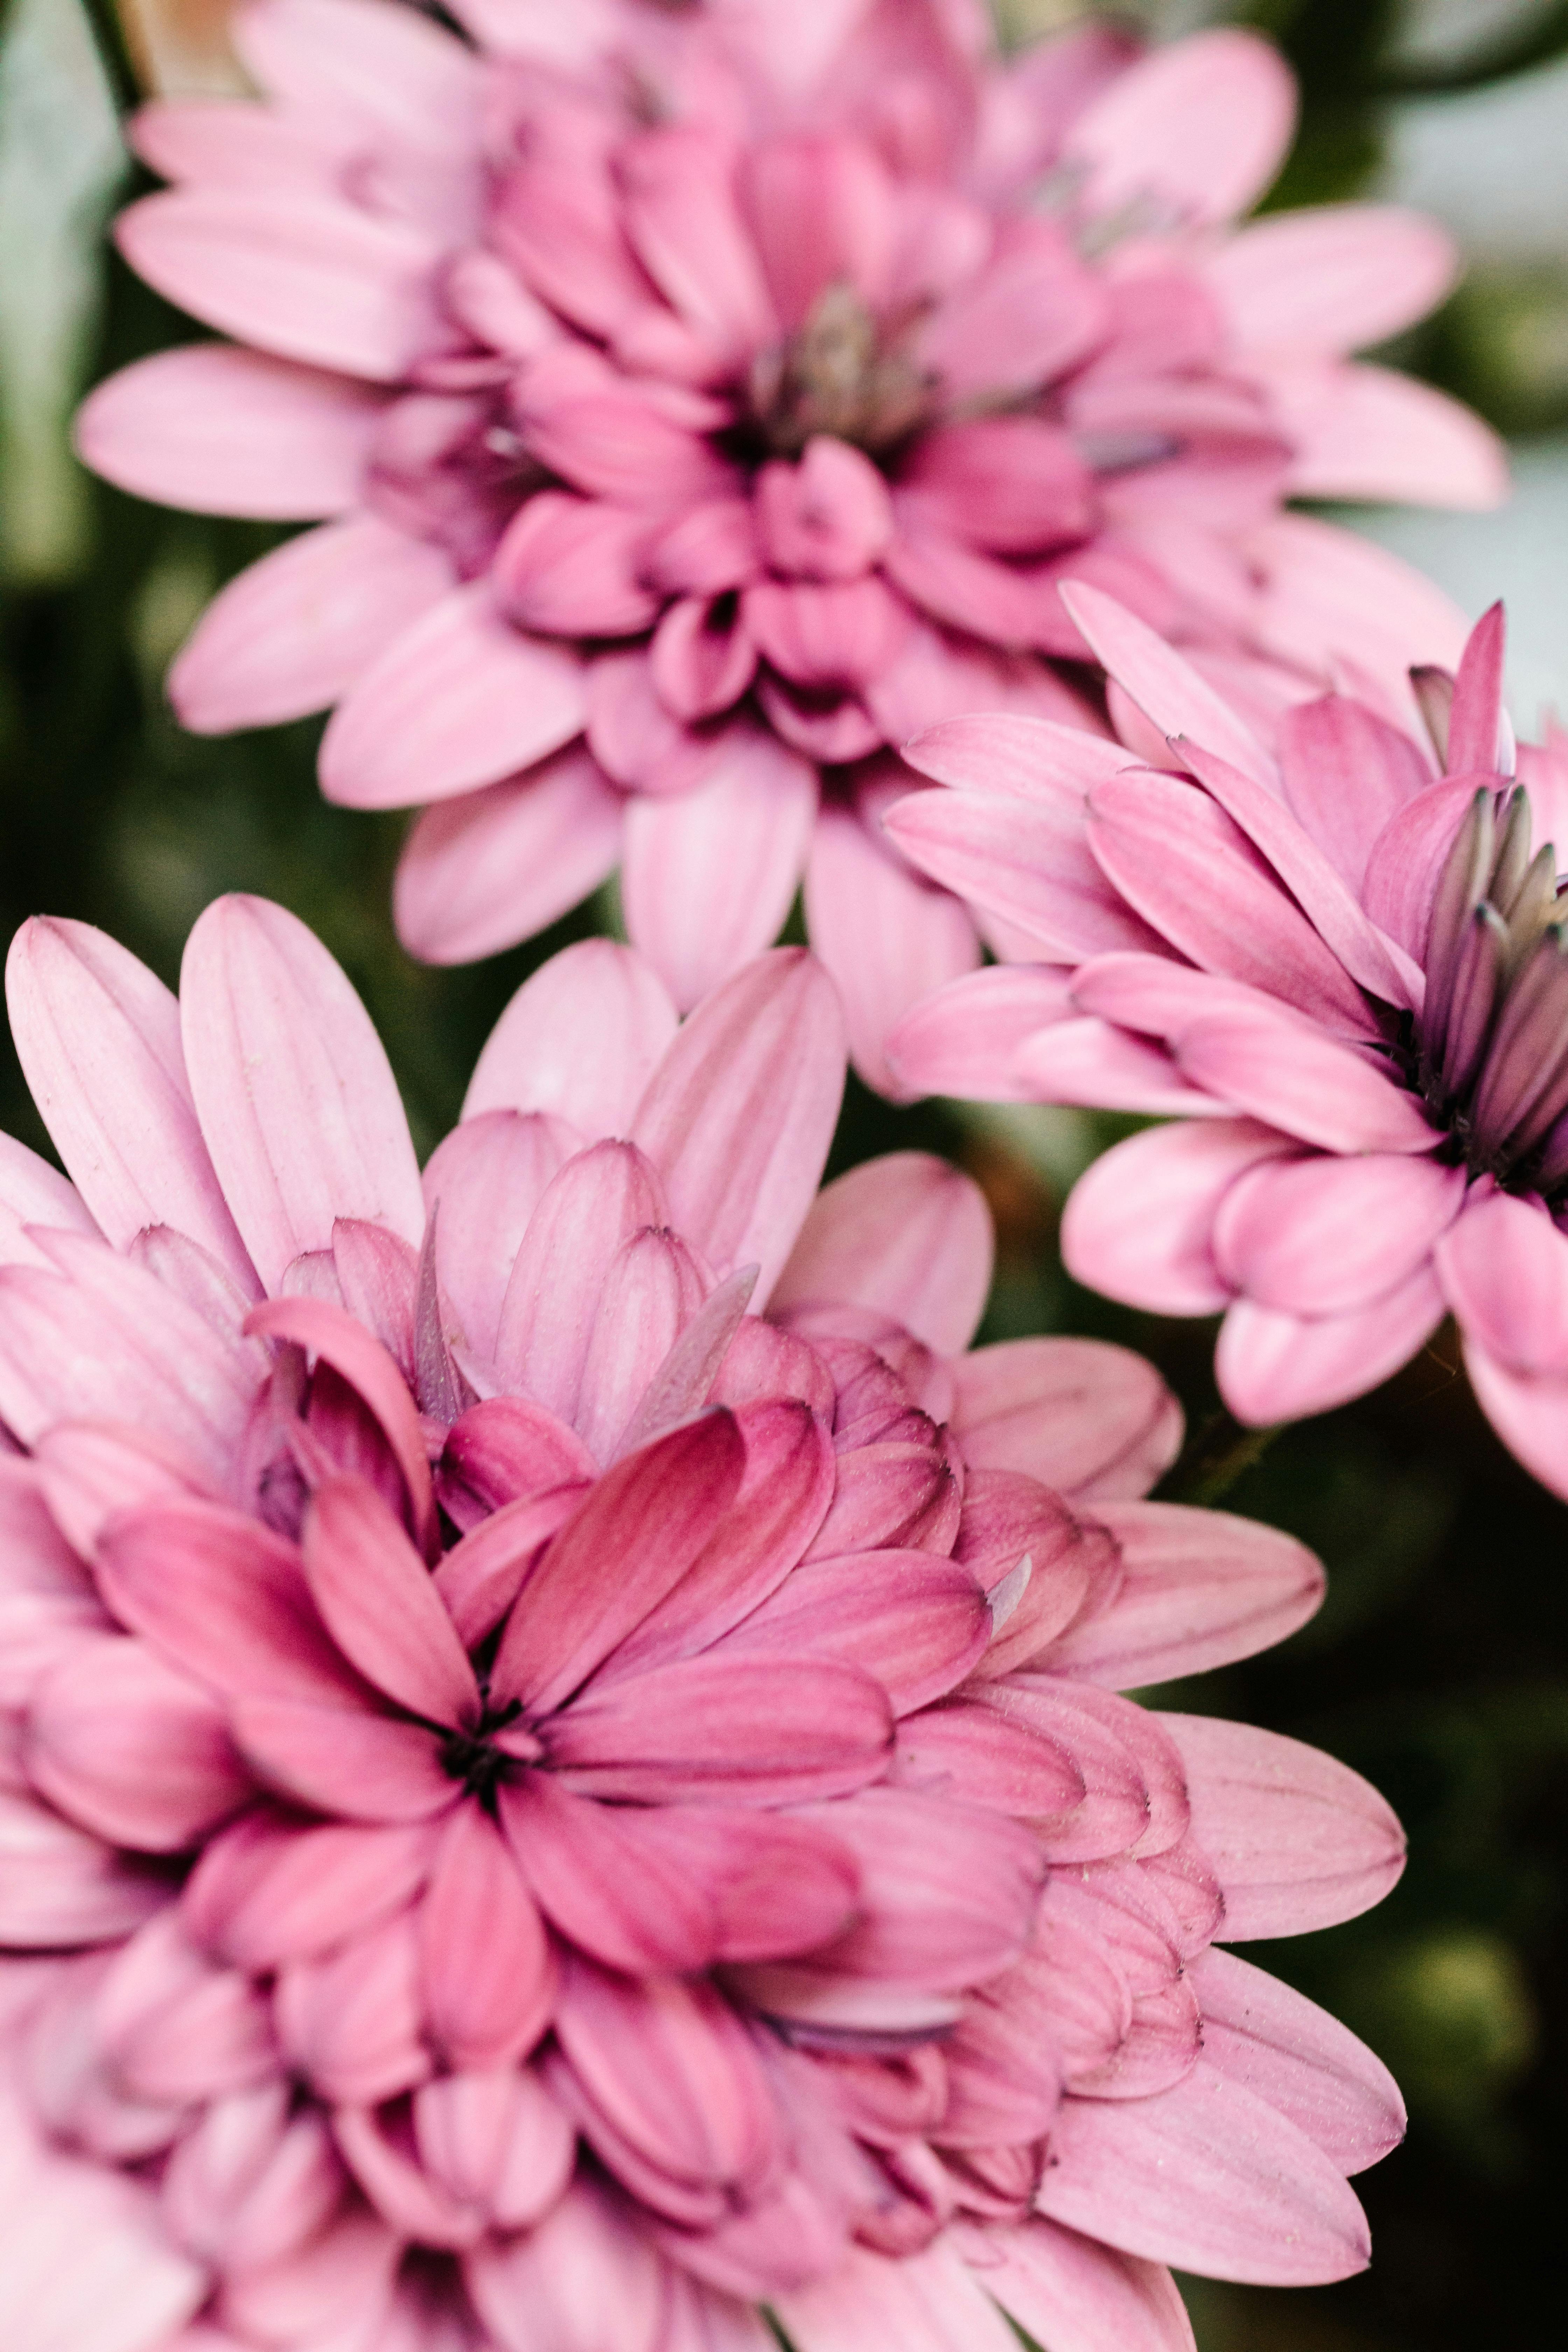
(695, 414)
(545, 1805)
(1347, 969)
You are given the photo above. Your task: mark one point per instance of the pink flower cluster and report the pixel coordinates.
(562, 1770)
(700, 401)
(1345, 965)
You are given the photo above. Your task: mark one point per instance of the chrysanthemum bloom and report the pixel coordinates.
(546, 1809)
(1351, 973)
(704, 400)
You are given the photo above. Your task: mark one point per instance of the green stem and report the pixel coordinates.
(114, 53)
(1214, 1456)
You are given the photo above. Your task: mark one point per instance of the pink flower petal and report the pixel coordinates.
(491, 1173)
(897, 1492)
(821, 213)
(131, 1749)
(364, 1767)
(1366, 433)
(1331, 278)
(1300, 1840)
(1324, 1236)
(459, 699)
(297, 1100)
(925, 2303)
(597, 1201)
(231, 432)
(949, 1891)
(410, 83)
(1165, 687)
(1529, 1414)
(677, 187)
(612, 1892)
(99, 1039)
(682, 1382)
(483, 1573)
(1405, 859)
(776, 1885)
(1012, 484)
(916, 1623)
(1476, 717)
(1272, 1366)
(709, 875)
(1139, 1224)
(1270, 1064)
(1200, 126)
(62, 1888)
(351, 2020)
(266, 1890)
(1090, 1420)
(967, 1039)
(339, 1339)
(1020, 322)
(823, 634)
(829, 517)
(378, 1602)
(585, 2274)
(1207, 2177)
(486, 1967)
(1347, 771)
(1304, 2063)
(495, 2140)
(581, 1039)
(1198, 1589)
(1028, 862)
(905, 1235)
(570, 566)
(33, 1194)
(1088, 1061)
(652, 1289)
(295, 632)
(1503, 1265)
(1077, 2294)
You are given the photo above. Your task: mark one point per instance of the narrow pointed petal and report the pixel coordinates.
(486, 1967)
(1138, 1225)
(489, 867)
(33, 1194)
(1303, 2061)
(381, 1605)
(1075, 2295)
(683, 1380)
(1165, 687)
(1208, 2177)
(739, 1113)
(906, 1235)
(1475, 719)
(652, 1289)
(1090, 1420)
(599, 1199)
(1300, 1840)
(295, 1094)
(486, 1178)
(1272, 1366)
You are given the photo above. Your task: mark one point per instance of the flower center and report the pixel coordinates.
(1490, 1046)
(842, 374)
(472, 1759)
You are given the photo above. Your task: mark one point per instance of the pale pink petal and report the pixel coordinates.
(343, 2277)
(1330, 596)
(131, 1749)
(378, 1602)
(1027, 861)
(821, 212)
(495, 2140)
(682, 1382)
(709, 875)
(739, 1113)
(1364, 432)
(1024, 319)
(269, 1890)
(1201, 127)
(652, 1290)
(1270, 1064)
(61, 1887)
(1331, 278)
(351, 2020)
(486, 1967)
(1091, 1421)
(99, 1039)
(1347, 771)
(491, 1172)
(332, 1334)
(1165, 686)
(919, 1628)
(1075, 2295)
(678, 184)
(1138, 1225)
(584, 2277)
(406, 80)
(296, 631)
(1272, 1366)
(459, 699)
(600, 1198)
(1007, 751)
(308, 279)
(1207, 2177)
(968, 1038)
(482, 871)
(928, 2302)
(231, 432)
(886, 936)
(1198, 1589)
(1530, 1415)
(1405, 859)
(296, 1097)
(1503, 1267)
(1088, 1061)
(1300, 1840)
(33, 1194)
(234, 143)
(1477, 721)
(570, 566)
(402, 2192)
(580, 1040)
(1325, 1236)
(1303, 2061)
(827, 518)
(906, 1235)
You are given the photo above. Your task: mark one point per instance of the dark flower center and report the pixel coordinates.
(472, 1759)
(842, 374)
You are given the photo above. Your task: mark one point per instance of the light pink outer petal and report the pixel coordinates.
(294, 632)
(1301, 2060)
(1264, 1059)
(905, 1235)
(1092, 1421)
(1332, 599)
(581, 1039)
(487, 869)
(398, 76)
(1328, 1237)
(930, 2301)
(231, 432)
(1163, 684)
(887, 936)
(98, 1037)
(85, 2263)
(294, 1092)
(1365, 431)
(459, 699)
(1503, 1267)
(739, 1114)
(1207, 2176)
(1138, 1224)
(33, 1194)
(971, 1037)
(1529, 1415)
(1075, 2295)
(1202, 126)
(709, 875)
(1331, 278)
(1274, 1367)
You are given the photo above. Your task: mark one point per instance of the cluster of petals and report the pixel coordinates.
(545, 1806)
(1345, 969)
(695, 402)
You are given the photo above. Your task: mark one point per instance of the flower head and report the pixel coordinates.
(695, 415)
(548, 1805)
(1349, 969)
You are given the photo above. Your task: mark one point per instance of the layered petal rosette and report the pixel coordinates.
(1345, 968)
(694, 403)
(564, 1777)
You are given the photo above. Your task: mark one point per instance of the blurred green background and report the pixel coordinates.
(1439, 1666)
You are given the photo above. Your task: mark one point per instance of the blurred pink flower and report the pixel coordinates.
(530, 1784)
(1350, 969)
(701, 401)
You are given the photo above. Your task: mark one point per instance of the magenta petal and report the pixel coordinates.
(739, 1116)
(480, 1576)
(949, 1891)
(896, 1492)
(606, 1888)
(368, 1768)
(339, 1339)
(381, 1605)
(1138, 1225)
(777, 1885)
(459, 699)
(637, 1532)
(1075, 2295)
(128, 1747)
(1273, 1366)
(1300, 1840)
(1198, 1589)
(488, 868)
(1209, 2178)
(1503, 1265)
(915, 1622)
(1474, 720)
(297, 1100)
(980, 1754)
(745, 1729)
(503, 1449)
(485, 1963)
(266, 1890)
(905, 1235)
(1303, 2061)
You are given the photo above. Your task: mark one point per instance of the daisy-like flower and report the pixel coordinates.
(1348, 971)
(702, 400)
(546, 1806)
